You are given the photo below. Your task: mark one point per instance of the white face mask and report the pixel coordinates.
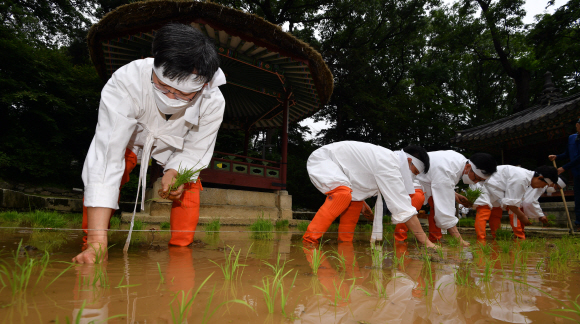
(466, 179)
(169, 106)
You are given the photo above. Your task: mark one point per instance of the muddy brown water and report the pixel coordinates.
(407, 289)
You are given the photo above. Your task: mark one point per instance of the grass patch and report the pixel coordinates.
(9, 217)
(165, 225)
(115, 222)
(466, 222)
(282, 224)
(44, 219)
(302, 226)
(261, 229)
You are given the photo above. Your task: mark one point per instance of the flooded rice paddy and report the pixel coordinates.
(230, 277)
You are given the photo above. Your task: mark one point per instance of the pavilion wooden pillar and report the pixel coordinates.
(284, 162)
(246, 141)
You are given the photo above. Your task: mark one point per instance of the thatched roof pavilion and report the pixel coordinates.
(273, 78)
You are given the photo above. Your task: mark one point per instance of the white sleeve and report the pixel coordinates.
(444, 204)
(105, 162)
(514, 191)
(200, 140)
(532, 209)
(390, 184)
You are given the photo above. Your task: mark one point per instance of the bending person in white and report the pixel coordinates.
(350, 172)
(169, 108)
(506, 190)
(531, 205)
(447, 168)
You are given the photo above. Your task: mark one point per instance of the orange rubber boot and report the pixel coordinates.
(495, 220)
(348, 221)
(417, 200)
(336, 202)
(434, 231)
(346, 249)
(130, 163)
(481, 218)
(519, 228)
(185, 215)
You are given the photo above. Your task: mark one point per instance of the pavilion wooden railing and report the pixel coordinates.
(243, 171)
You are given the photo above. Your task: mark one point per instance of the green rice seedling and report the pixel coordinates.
(466, 222)
(428, 271)
(213, 226)
(502, 234)
(261, 229)
(126, 286)
(551, 220)
(207, 316)
(505, 246)
(452, 241)
(284, 297)
(184, 306)
(100, 278)
(387, 219)
(44, 219)
(183, 176)
(364, 228)
(488, 270)
(165, 225)
(377, 256)
(282, 224)
(340, 259)
(272, 284)
(115, 223)
(317, 257)
(232, 266)
(161, 278)
(262, 249)
(485, 249)
(60, 274)
(472, 194)
(388, 228)
(399, 261)
(302, 226)
(462, 276)
(17, 276)
(338, 297)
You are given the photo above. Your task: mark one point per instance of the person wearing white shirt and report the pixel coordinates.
(447, 168)
(349, 172)
(506, 190)
(168, 107)
(531, 206)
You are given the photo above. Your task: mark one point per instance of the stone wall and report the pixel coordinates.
(557, 209)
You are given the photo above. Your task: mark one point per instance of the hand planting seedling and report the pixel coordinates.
(472, 194)
(183, 176)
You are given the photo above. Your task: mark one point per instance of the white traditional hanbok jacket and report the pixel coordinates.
(368, 170)
(508, 185)
(445, 170)
(483, 199)
(129, 118)
(531, 204)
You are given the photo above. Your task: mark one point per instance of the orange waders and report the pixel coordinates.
(338, 201)
(417, 200)
(184, 212)
(483, 215)
(517, 226)
(434, 231)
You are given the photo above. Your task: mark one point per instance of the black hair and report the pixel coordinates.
(181, 50)
(420, 153)
(484, 162)
(547, 172)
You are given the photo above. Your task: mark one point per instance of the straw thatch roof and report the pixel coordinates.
(261, 62)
